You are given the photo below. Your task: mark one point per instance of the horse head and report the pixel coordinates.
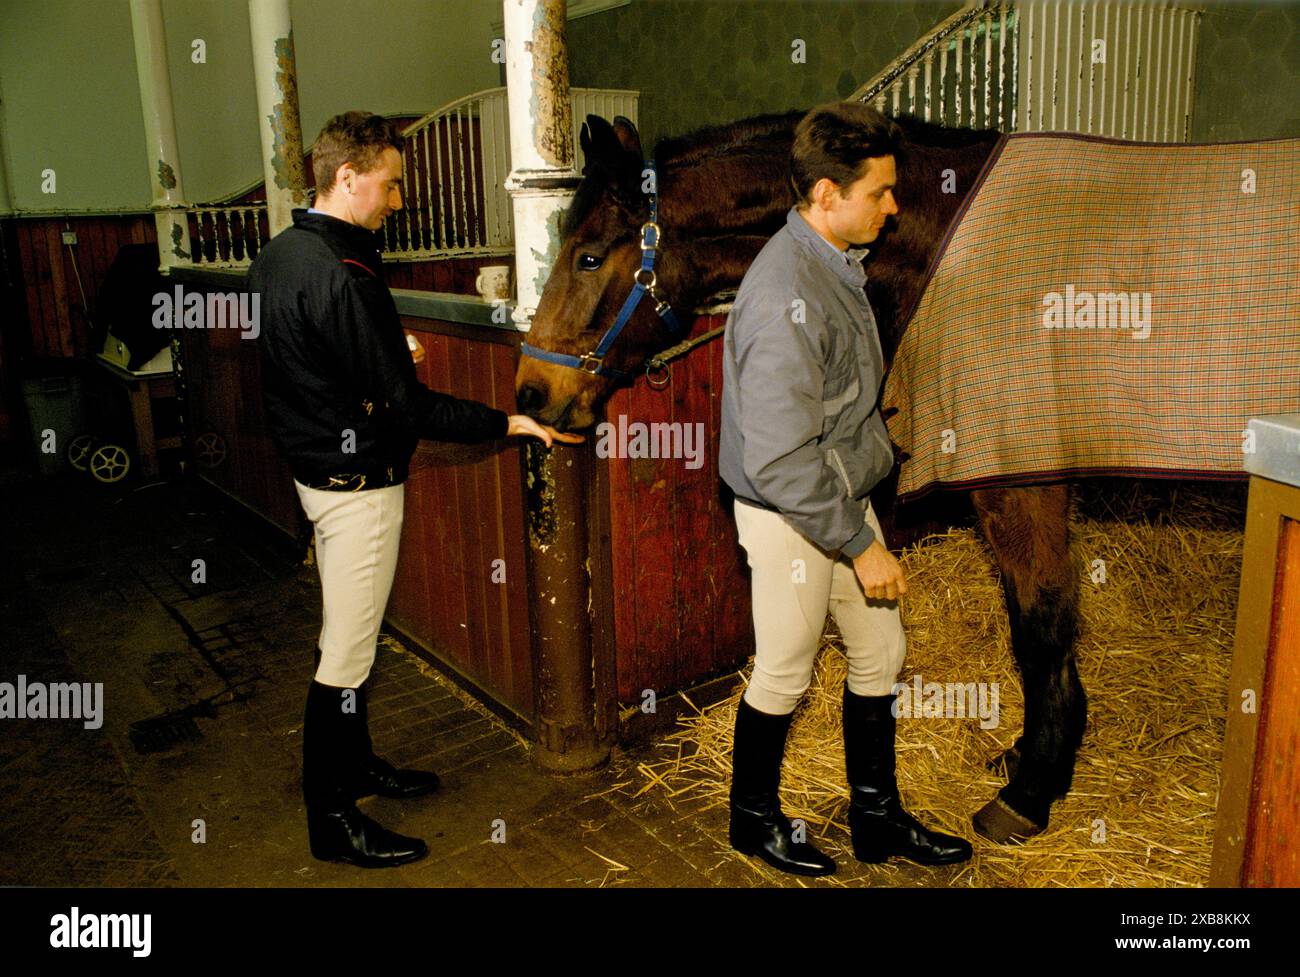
(595, 271)
(715, 198)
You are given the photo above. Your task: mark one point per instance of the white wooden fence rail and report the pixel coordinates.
(1120, 68)
(454, 165)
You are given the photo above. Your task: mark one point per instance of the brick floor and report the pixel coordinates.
(95, 586)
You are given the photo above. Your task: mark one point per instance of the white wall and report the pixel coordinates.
(71, 101)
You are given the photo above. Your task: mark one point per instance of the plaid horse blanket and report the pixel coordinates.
(1104, 307)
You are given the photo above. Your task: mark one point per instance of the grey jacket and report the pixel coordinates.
(802, 365)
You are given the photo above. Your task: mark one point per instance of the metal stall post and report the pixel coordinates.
(541, 185)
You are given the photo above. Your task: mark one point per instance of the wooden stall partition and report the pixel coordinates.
(462, 578)
(1257, 837)
(53, 275)
(231, 446)
(682, 606)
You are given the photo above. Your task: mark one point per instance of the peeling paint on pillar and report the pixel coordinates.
(166, 175)
(178, 236)
(540, 488)
(286, 159)
(552, 110)
(546, 260)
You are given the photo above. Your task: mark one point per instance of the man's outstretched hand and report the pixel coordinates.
(523, 424)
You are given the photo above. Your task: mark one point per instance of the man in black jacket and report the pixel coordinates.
(345, 407)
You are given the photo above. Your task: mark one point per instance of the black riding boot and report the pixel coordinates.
(758, 827)
(877, 821)
(332, 741)
(376, 775)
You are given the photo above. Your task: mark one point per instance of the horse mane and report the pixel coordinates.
(752, 136)
(711, 141)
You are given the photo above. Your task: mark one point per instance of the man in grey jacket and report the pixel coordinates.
(802, 445)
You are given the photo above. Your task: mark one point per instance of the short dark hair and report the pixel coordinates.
(834, 141)
(359, 138)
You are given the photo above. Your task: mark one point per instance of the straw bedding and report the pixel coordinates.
(1154, 652)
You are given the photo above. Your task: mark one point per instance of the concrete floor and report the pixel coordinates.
(204, 687)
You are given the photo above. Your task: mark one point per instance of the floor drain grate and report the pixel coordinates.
(163, 732)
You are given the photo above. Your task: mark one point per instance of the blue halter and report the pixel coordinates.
(643, 283)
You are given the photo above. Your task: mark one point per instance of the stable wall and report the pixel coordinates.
(704, 62)
(72, 101)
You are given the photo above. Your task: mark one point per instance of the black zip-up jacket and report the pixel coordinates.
(335, 360)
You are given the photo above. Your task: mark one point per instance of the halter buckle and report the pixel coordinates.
(646, 243)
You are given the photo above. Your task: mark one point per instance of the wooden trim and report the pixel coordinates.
(459, 330)
(1268, 504)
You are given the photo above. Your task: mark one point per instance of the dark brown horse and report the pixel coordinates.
(722, 192)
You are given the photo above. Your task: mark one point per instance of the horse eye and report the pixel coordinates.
(590, 262)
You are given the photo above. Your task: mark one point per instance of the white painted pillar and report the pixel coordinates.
(276, 73)
(167, 193)
(542, 176)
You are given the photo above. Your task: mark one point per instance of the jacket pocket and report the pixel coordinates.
(838, 465)
(883, 457)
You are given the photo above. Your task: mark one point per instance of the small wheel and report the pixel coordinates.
(210, 449)
(109, 463)
(79, 451)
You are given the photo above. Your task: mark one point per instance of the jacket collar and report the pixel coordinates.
(847, 265)
(354, 234)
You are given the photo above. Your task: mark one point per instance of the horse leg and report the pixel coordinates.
(1028, 529)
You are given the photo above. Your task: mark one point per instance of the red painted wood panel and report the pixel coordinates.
(1273, 839)
(468, 502)
(223, 397)
(58, 319)
(673, 545)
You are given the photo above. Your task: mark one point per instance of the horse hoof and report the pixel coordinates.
(1006, 763)
(998, 822)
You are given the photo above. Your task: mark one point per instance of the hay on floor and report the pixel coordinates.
(1154, 652)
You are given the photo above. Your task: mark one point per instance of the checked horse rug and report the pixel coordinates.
(1104, 307)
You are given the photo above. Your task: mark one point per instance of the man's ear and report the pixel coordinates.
(343, 176)
(823, 190)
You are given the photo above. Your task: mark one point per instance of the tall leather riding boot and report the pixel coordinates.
(370, 774)
(375, 775)
(758, 827)
(879, 825)
(338, 832)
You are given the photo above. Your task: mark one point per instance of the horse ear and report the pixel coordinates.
(627, 135)
(603, 143)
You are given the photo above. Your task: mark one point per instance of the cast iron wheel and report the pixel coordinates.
(210, 449)
(79, 451)
(109, 463)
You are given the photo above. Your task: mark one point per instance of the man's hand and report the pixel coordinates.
(880, 574)
(523, 424)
